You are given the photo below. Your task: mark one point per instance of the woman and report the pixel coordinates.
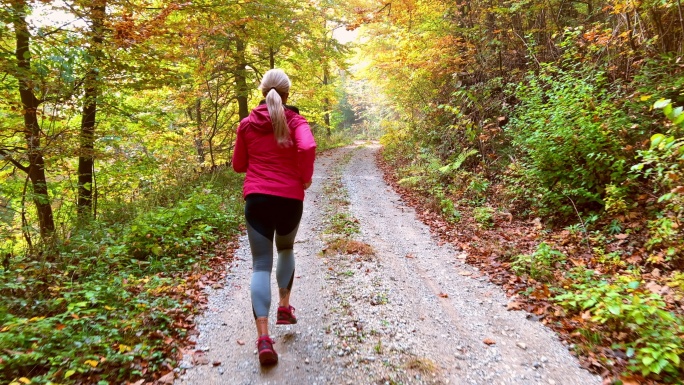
(276, 149)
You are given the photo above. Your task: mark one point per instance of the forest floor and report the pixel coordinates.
(380, 300)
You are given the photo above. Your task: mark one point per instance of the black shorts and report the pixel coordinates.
(270, 214)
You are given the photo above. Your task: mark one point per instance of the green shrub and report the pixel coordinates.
(484, 216)
(429, 176)
(103, 305)
(653, 341)
(568, 130)
(662, 165)
(540, 265)
(173, 232)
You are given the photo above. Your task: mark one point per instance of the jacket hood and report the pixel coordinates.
(260, 120)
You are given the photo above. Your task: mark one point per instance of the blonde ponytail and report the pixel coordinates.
(274, 84)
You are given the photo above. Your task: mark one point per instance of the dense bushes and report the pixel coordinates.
(648, 333)
(568, 133)
(107, 304)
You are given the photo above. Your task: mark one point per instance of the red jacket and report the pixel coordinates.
(273, 170)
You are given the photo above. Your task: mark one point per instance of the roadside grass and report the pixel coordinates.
(344, 245)
(421, 365)
(113, 302)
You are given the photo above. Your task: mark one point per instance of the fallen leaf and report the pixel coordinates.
(410, 256)
(199, 358)
(168, 378)
(654, 287)
(489, 341)
(92, 363)
(443, 295)
(513, 305)
(240, 342)
(621, 236)
(465, 273)
(216, 363)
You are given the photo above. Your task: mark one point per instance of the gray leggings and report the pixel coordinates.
(270, 217)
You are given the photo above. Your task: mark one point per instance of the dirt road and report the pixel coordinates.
(409, 313)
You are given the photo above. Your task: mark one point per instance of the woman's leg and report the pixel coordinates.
(286, 231)
(260, 230)
(286, 266)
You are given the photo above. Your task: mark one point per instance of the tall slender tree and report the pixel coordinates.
(91, 87)
(31, 127)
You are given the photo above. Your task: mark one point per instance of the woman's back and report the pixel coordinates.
(272, 168)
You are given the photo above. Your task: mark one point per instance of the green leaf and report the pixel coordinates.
(615, 309)
(661, 103)
(630, 352)
(666, 197)
(69, 373)
(633, 285)
(648, 360)
(679, 119)
(656, 139)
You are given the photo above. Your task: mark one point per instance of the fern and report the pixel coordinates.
(456, 164)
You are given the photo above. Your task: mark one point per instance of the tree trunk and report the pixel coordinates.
(199, 138)
(326, 103)
(34, 153)
(271, 57)
(86, 159)
(241, 78)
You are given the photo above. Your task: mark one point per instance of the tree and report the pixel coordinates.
(21, 70)
(91, 86)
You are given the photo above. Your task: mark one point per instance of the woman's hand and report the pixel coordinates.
(307, 185)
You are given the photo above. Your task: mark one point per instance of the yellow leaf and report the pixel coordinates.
(36, 319)
(24, 380)
(92, 363)
(124, 348)
(69, 373)
(108, 307)
(645, 97)
(15, 383)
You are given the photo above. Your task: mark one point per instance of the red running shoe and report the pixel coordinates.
(267, 355)
(286, 316)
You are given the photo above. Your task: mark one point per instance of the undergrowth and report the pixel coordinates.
(107, 304)
(610, 280)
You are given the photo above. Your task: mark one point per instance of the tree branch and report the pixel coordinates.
(16, 164)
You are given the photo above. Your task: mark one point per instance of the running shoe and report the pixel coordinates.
(267, 355)
(286, 316)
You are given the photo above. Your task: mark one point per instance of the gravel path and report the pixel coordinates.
(411, 313)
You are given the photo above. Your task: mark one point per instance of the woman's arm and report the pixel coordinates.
(239, 161)
(306, 150)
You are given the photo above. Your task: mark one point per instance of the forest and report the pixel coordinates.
(548, 133)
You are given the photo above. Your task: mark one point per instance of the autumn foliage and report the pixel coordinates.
(544, 138)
